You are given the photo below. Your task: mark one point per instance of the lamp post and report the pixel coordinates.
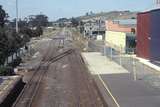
(17, 16)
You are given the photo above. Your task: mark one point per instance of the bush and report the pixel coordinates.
(26, 31)
(32, 33)
(3, 71)
(39, 30)
(6, 71)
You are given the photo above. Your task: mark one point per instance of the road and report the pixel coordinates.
(61, 79)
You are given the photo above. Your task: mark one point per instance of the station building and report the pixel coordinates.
(121, 34)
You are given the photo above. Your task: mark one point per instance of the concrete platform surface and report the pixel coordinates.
(7, 84)
(148, 63)
(99, 64)
(124, 91)
(129, 93)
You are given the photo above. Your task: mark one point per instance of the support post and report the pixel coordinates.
(134, 70)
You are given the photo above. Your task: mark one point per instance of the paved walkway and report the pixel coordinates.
(124, 91)
(97, 64)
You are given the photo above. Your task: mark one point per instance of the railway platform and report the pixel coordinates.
(117, 84)
(10, 87)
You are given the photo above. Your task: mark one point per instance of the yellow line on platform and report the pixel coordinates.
(106, 87)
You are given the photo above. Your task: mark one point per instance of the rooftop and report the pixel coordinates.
(150, 10)
(126, 22)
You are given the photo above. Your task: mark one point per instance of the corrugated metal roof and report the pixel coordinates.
(150, 10)
(126, 22)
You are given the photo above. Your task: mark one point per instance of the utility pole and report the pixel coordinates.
(157, 3)
(17, 16)
(99, 25)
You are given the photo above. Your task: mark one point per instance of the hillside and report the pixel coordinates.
(111, 15)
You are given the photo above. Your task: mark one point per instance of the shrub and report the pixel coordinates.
(6, 71)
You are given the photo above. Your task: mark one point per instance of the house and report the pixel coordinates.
(94, 27)
(121, 34)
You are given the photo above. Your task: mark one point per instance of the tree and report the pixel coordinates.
(3, 16)
(3, 46)
(75, 22)
(87, 14)
(39, 31)
(91, 13)
(133, 17)
(3, 37)
(10, 41)
(81, 23)
(42, 20)
(21, 23)
(61, 20)
(38, 20)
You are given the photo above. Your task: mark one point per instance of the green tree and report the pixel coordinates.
(38, 20)
(3, 37)
(3, 16)
(75, 22)
(3, 46)
(81, 26)
(39, 31)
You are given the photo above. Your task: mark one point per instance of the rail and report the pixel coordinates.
(33, 86)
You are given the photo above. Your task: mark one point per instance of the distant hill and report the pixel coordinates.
(110, 15)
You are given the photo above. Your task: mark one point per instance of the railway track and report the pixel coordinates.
(29, 92)
(64, 72)
(86, 93)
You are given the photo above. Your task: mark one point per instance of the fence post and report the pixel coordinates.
(104, 51)
(111, 52)
(87, 45)
(120, 56)
(134, 70)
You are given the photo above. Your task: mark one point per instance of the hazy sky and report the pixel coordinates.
(68, 8)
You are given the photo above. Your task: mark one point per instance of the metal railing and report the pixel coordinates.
(128, 60)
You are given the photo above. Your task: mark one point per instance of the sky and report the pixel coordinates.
(55, 9)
